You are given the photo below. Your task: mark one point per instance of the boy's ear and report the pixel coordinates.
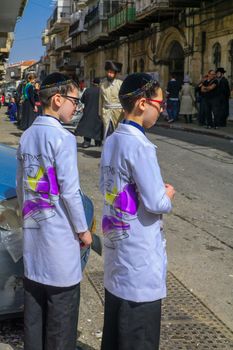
(57, 99)
(142, 104)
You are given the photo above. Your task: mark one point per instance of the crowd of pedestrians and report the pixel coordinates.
(208, 100)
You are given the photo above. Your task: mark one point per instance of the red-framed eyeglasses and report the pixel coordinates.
(161, 102)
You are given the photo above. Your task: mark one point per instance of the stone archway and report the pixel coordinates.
(170, 54)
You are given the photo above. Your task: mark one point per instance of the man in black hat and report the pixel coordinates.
(224, 95)
(110, 109)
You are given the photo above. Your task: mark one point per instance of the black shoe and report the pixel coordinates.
(85, 144)
(98, 143)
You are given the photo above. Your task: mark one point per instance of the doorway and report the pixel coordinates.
(176, 61)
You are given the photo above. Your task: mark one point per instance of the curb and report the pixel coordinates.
(194, 130)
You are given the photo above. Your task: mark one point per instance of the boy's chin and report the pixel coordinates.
(65, 120)
(149, 125)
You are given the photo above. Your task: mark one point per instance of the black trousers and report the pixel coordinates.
(50, 316)
(211, 107)
(129, 325)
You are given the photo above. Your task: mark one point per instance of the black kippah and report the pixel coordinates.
(55, 79)
(135, 84)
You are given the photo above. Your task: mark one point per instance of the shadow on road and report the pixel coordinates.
(89, 153)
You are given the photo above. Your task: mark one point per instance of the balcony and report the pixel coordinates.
(45, 60)
(51, 48)
(96, 25)
(45, 37)
(66, 63)
(97, 34)
(59, 20)
(122, 21)
(80, 43)
(61, 44)
(77, 24)
(100, 12)
(10, 12)
(187, 3)
(160, 10)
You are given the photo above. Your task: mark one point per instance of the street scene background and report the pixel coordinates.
(187, 38)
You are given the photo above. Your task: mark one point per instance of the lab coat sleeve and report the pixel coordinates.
(101, 178)
(68, 181)
(19, 179)
(150, 185)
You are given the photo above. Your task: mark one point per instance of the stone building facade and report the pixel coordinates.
(157, 36)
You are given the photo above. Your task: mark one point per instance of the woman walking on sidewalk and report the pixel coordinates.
(187, 101)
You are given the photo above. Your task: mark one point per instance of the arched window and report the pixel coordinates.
(135, 66)
(217, 55)
(142, 65)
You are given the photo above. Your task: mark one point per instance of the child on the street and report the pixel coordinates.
(135, 197)
(53, 220)
(12, 110)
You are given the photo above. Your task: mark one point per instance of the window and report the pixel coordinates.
(217, 55)
(142, 65)
(135, 66)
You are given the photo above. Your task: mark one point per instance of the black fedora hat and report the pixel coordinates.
(221, 70)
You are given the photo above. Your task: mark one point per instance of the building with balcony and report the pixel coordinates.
(157, 36)
(10, 12)
(56, 37)
(165, 36)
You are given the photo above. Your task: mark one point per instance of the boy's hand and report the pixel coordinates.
(86, 238)
(170, 191)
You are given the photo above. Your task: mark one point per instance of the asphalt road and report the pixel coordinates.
(199, 231)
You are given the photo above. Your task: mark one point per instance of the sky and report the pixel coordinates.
(27, 44)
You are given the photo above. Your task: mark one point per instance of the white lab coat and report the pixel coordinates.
(49, 195)
(135, 199)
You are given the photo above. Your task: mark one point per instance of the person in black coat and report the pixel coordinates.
(173, 90)
(91, 125)
(224, 95)
(29, 108)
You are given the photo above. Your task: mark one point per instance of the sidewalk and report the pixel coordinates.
(223, 132)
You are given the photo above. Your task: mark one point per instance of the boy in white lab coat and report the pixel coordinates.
(135, 197)
(53, 220)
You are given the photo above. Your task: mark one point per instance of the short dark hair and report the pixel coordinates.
(136, 86)
(53, 84)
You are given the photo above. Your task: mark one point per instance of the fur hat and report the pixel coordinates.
(113, 65)
(221, 70)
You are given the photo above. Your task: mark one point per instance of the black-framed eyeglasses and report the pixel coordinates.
(75, 100)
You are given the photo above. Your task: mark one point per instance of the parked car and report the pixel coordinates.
(11, 262)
